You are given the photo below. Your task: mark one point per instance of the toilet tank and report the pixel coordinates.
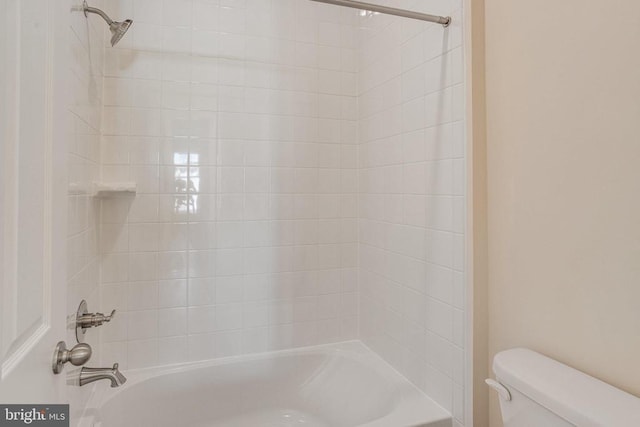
(544, 392)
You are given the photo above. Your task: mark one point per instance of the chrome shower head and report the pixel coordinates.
(118, 29)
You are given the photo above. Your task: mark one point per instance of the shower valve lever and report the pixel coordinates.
(86, 320)
(90, 320)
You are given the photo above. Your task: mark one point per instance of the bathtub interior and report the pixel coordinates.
(332, 386)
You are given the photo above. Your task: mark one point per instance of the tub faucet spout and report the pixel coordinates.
(89, 375)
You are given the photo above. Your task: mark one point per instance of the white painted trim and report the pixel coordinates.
(16, 347)
(3, 82)
(10, 136)
(469, 229)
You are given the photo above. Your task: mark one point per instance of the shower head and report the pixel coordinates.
(118, 29)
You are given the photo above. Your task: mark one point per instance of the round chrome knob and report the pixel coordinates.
(78, 356)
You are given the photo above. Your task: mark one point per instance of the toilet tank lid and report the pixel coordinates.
(573, 395)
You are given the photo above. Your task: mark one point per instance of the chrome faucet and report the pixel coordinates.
(89, 375)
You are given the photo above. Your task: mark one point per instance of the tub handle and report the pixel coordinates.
(502, 390)
(86, 320)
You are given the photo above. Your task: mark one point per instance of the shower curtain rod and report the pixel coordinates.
(443, 20)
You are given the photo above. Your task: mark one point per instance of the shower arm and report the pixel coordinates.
(88, 9)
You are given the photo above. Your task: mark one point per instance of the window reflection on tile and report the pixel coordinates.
(186, 182)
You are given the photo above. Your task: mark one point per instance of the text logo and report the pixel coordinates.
(34, 415)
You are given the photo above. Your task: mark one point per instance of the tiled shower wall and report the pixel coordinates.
(238, 122)
(412, 205)
(85, 93)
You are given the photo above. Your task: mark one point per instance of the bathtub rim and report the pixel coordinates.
(419, 409)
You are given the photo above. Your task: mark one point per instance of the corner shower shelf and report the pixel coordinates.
(109, 189)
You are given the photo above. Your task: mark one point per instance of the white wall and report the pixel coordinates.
(563, 152)
(412, 198)
(84, 87)
(238, 122)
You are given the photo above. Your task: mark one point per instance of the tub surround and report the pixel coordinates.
(299, 180)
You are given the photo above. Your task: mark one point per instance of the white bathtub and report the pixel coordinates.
(341, 385)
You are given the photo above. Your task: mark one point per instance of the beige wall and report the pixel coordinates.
(563, 153)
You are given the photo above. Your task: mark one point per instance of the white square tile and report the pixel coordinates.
(228, 317)
(439, 318)
(201, 320)
(142, 295)
(172, 293)
(142, 353)
(142, 325)
(201, 291)
(172, 350)
(229, 290)
(201, 346)
(172, 322)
